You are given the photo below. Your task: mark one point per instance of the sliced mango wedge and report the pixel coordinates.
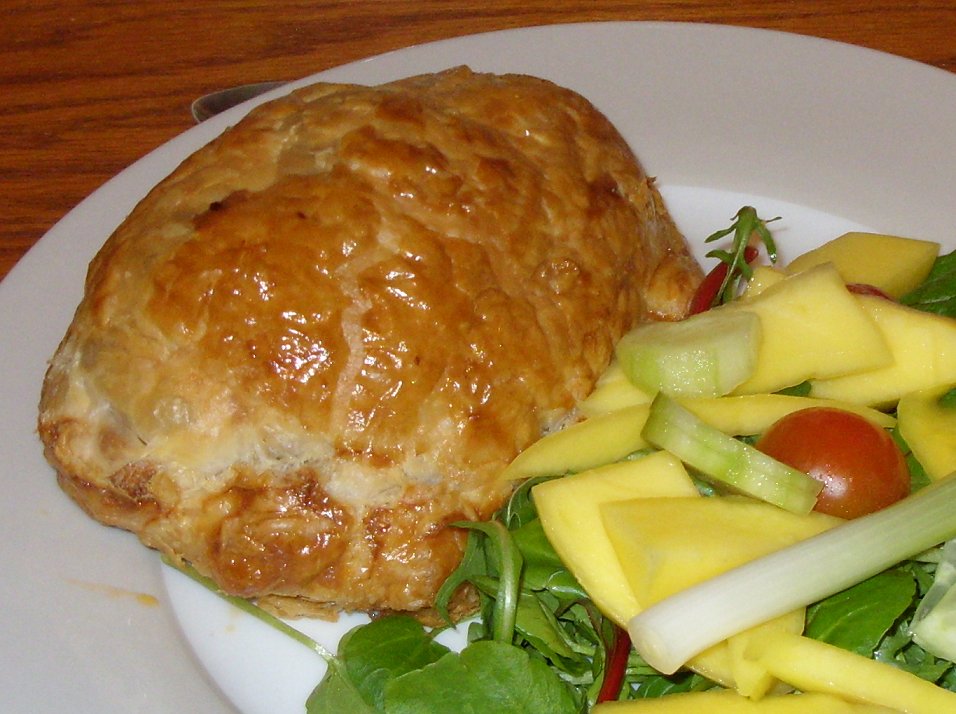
(729, 702)
(923, 348)
(814, 666)
(812, 328)
(893, 264)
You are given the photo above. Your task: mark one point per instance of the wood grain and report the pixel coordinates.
(89, 86)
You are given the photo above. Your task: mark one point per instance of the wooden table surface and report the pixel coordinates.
(87, 87)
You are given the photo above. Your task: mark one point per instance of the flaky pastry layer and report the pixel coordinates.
(318, 342)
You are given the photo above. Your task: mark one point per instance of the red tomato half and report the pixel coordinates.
(861, 467)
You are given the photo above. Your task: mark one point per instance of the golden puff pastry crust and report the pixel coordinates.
(321, 338)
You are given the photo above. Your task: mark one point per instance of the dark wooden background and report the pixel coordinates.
(89, 86)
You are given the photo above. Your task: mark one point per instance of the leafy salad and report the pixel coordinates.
(540, 644)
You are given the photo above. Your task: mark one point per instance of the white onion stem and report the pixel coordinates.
(679, 627)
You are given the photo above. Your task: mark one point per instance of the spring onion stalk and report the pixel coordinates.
(679, 627)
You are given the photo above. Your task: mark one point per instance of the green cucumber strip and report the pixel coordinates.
(934, 625)
(726, 461)
(706, 355)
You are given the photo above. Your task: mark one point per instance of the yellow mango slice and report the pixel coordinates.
(923, 348)
(749, 414)
(569, 509)
(593, 442)
(751, 679)
(613, 391)
(763, 277)
(723, 701)
(668, 544)
(665, 545)
(893, 264)
(929, 430)
(813, 666)
(812, 328)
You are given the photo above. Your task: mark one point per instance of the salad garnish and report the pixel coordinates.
(723, 283)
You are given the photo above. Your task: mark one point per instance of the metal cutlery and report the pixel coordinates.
(213, 103)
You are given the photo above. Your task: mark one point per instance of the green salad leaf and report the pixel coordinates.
(937, 293)
(918, 476)
(948, 400)
(858, 618)
(659, 686)
(487, 676)
(391, 647)
(394, 666)
(337, 693)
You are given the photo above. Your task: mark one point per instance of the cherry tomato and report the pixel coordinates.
(861, 467)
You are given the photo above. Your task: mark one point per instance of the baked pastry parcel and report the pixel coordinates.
(319, 341)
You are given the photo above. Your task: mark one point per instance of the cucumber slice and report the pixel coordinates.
(706, 355)
(726, 461)
(934, 624)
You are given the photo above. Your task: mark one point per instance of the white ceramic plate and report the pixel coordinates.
(827, 135)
